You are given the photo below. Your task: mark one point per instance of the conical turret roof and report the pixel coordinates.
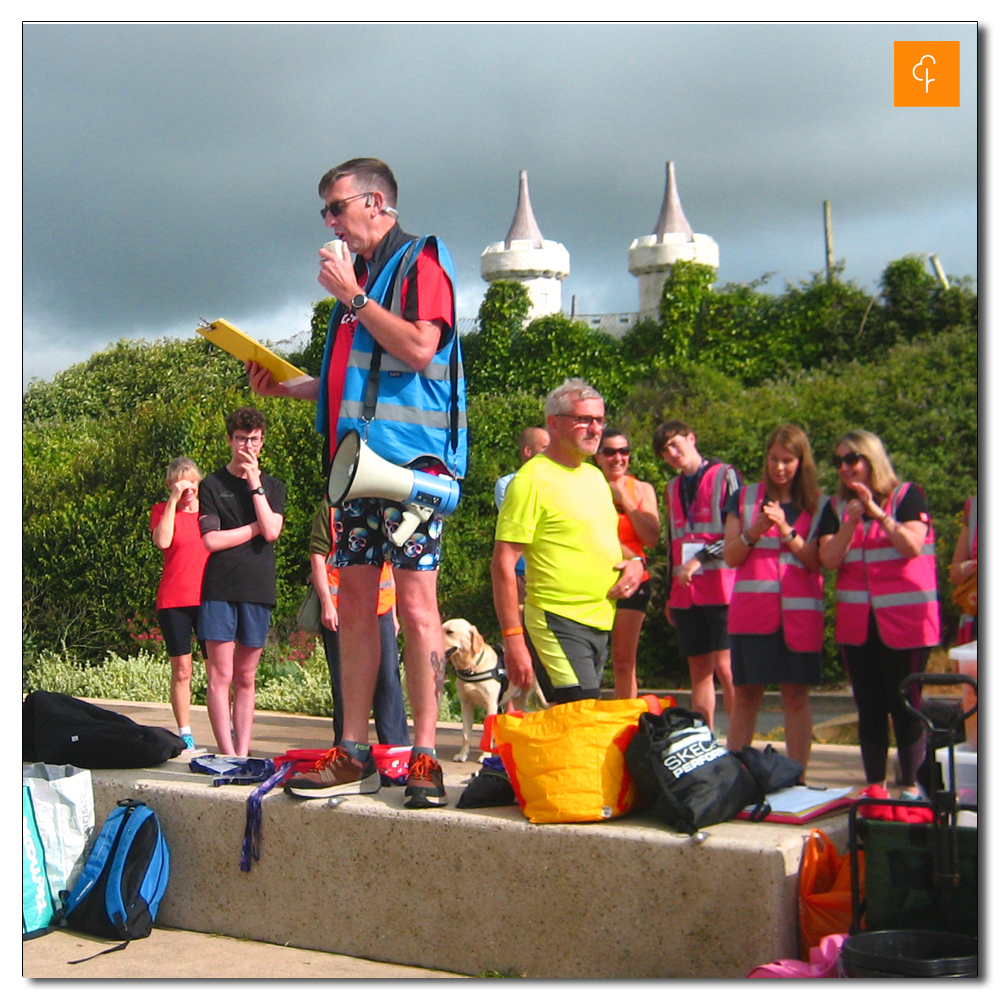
(672, 218)
(524, 226)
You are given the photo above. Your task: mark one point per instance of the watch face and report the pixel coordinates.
(358, 301)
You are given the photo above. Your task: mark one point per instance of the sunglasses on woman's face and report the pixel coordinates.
(611, 452)
(851, 458)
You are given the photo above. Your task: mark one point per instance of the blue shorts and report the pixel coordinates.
(234, 621)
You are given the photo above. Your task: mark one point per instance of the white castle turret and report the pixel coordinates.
(540, 265)
(651, 257)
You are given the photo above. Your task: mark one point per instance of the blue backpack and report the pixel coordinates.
(121, 885)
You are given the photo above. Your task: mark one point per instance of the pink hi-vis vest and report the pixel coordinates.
(714, 584)
(773, 589)
(902, 592)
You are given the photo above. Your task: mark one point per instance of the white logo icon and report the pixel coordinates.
(926, 79)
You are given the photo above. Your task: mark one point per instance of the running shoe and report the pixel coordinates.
(425, 784)
(336, 773)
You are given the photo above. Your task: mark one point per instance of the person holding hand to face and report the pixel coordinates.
(242, 513)
(174, 525)
(877, 534)
(776, 612)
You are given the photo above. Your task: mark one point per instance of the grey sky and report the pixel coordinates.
(170, 171)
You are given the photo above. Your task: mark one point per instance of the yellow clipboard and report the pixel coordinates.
(235, 342)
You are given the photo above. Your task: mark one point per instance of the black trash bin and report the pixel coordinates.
(909, 955)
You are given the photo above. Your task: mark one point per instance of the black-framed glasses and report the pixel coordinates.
(851, 458)
(336, 208)
(584, 421)
(611, 452)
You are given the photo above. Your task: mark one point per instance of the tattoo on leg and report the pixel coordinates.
(437, 665)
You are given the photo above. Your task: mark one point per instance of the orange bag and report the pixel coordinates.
(824, 891)
(567, 763)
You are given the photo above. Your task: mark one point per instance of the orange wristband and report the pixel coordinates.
(519, 630)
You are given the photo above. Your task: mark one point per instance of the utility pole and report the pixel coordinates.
(828, 227)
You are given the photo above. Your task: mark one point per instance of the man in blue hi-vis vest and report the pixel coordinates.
(394, 328)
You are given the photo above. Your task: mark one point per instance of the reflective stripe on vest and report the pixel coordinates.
(773, 589)
(874, 576)
(714, 584)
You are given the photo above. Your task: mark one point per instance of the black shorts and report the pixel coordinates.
(702, 628)
(637, 601)
(179, 626)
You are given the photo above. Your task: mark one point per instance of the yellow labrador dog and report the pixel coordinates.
(481, 678)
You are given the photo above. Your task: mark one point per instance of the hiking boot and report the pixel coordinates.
(425, 784)
(336, 773)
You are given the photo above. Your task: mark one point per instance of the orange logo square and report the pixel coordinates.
(925, 75)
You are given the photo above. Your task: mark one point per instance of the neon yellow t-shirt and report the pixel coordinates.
(568, 524)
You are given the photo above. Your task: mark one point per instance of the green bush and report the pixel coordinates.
(733, 362)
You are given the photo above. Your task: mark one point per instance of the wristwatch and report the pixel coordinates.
(359, 301)
(260, 490)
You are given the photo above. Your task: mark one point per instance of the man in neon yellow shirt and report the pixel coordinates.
(559, 514)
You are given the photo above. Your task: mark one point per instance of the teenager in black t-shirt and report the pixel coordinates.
(242, 512)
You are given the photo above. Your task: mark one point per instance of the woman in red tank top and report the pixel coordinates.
(638, 529)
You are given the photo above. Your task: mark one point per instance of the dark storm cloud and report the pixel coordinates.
(170, 171)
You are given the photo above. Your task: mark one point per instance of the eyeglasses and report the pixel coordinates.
(851, 458)
(584, 421)
(336, 208)
(242, 439)
(611, 452)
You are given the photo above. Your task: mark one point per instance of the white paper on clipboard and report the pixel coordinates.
(689, 550)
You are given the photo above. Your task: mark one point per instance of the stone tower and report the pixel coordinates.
(539, 264)
(650, 257)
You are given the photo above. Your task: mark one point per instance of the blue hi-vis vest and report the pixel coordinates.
(401, 414)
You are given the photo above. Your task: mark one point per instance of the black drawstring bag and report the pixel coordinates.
(683, 775)
(771, 770)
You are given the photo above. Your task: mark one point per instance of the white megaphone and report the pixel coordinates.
(357, 471)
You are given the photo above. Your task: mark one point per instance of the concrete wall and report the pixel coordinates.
(473, 891)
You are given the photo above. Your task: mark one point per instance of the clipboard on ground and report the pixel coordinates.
(243, 347)
(799, 805)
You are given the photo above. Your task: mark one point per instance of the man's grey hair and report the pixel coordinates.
(556, 400)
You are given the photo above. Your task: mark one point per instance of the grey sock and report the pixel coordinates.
(430, 751)
(359, 751)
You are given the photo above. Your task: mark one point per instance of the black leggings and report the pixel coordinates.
(876, 672)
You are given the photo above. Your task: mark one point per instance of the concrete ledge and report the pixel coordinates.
(471, 891)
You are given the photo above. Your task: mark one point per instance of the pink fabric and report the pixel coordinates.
(822, 963)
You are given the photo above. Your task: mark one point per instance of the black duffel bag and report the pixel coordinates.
(684, 776)
(58, 729)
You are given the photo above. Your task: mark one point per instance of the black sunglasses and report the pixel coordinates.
(851, 458)
(611, 452)
(336, 208)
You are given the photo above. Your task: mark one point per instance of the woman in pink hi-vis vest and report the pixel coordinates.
(877, 534)
(776, 611)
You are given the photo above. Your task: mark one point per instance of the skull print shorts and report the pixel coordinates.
(363, 527)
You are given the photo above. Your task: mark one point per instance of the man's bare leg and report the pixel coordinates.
(245, 662)
(417, 607)
(219, 667)
(360, 647)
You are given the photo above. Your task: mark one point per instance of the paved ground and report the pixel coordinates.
(176, 954)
